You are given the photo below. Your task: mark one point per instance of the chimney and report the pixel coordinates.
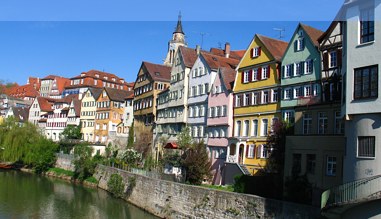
(198, 48)
(227, 50)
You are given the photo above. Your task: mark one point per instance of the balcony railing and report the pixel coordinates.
(353, 192)
(231, 159)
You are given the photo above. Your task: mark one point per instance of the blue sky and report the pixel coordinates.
(69, 37)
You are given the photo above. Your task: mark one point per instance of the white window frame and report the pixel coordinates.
(307, 91)
(308, 66)
(274, 95)
(250, 153)
(300, 44)
(246, 77)
(254, 74)
(333, 59)
(254, 127)
(264, 72)
(264, 127)
(287, 94)
(331, 169)
(256, 51)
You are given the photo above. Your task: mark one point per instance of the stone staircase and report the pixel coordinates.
(244, 169)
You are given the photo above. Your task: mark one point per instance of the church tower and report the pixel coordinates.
(178, 39)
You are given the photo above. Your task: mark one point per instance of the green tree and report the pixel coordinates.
(196, 163)
(115, 185)
(184, 140)
(42, 155)
(130, 141)
(72, 132)
(84, 165)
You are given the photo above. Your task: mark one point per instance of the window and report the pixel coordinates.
(367, 25)
(287, 93)
(300, 44)
(289, 70)
(265, 72)
(238, 128)
(211, 112)
(250, 153)
(309, 66)
(274, 96)
(322, 123)
(222, 133)
(254, 100)
(254, 131)
(218, 111)
(246, 99)
(246, 77)
(297, 92)
(332, 59)
(307, 123)
(298, 68)
(238, 100)
(331, 166)
(256, 52)
(307, 90)
(254, 74)
(223, 111)
(246, 128)
(263, 151)
(264, 127)
(265, 98)
(311, 163)
(288, 116)
(366, 146)
(366, 82)
(296, 164)
(202, 111)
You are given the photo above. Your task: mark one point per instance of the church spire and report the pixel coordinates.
(179, 27)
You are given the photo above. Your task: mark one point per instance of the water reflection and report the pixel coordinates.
(28, 196)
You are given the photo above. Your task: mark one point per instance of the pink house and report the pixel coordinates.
(220, 119)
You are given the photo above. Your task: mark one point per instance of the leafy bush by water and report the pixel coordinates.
(115, 185)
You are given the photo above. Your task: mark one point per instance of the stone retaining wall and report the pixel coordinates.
(64, 161)
(174, 200)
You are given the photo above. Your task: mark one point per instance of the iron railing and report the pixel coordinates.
(352, 192)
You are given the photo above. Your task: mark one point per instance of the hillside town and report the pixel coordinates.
(311, 102)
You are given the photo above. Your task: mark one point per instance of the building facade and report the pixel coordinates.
(88, 113)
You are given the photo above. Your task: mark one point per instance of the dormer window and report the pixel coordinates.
(105, 77)
(83, 75)
(301, 33)
(104, 94)
(157, 73)
(255, 52)
(96, 75)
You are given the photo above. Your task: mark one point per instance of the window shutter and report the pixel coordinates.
(247, 151)
(325, 61)
(251, 52)
(155, 86)
(339, 57)
(259, 75)
(302, 64)
(165, 86)
(250, 75)
(241, 100)
(242, 76)
(296, 45)
(283, 71)
(268, 71)
(259, 51)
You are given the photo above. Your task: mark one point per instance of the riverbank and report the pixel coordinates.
(167, 199)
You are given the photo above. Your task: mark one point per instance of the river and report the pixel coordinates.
(25, 195)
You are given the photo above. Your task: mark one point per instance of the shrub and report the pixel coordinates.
(115, 185)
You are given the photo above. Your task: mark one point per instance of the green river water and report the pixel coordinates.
(24, 195)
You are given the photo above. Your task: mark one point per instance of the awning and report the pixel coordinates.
(171, 145)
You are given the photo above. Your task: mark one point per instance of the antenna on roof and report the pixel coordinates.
(281, 32)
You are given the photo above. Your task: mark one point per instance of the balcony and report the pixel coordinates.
(303, 101)
(337, 200)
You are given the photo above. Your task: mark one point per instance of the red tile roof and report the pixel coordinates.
(189, 56)
(22, 91)
(234, 54)
(276, 47)
(45, 103)
(158, 72)
(77, 106)
(215, 61)
(313, 33)
(117, 95)
(228, 77)
(50, 77)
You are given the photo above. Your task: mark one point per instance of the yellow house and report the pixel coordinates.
(109, 113)
(88, 112)
(256, 102)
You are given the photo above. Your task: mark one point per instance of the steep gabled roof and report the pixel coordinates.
(45, 103)
(313, 33)
(158, 72)
(116, 94)
(50, 77)
(329, 30)
(67, 99)
(228, 77)
(215, 62)
(189, 56)
(96, 92)
(276, 47)
(77, 106)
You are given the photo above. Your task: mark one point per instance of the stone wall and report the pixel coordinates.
(174, 200)
(64, 161)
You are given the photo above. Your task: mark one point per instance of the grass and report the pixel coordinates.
(91, 179)
(60, 171)
(228, 188)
